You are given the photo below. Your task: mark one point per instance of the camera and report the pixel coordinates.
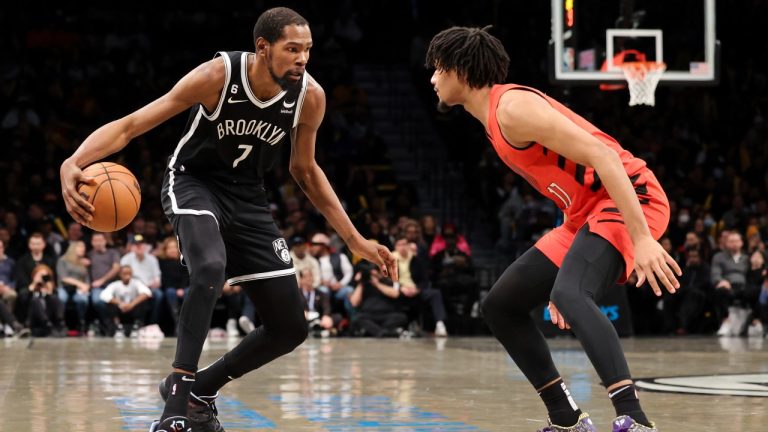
(47, 278)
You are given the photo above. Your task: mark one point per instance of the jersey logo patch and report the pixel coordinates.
(230, 100)
(281, 250)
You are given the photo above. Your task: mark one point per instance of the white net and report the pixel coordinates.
(642, 78)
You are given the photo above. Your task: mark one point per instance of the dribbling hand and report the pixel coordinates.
(71, 177)
(653, 262)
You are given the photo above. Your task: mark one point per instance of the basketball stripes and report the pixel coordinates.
(264, 275)
(172, 178)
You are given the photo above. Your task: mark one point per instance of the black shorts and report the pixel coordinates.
(255, 248)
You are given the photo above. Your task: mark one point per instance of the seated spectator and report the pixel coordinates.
(378, 313)
(232, 297)
(756, 278)
(174, 277)
(9, 326)
(412, 231)
(147, 270)
(317, 307)
(452, 268)
(105, 265)
(729, 276)
(126, 300)
(45, 316)
(7, 285)
(74, 280)
(303, 260)
(24, 267)
(683, 310)
(336, 271)
(440, 241)
(414, 284)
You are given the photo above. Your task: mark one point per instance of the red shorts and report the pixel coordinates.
(606, 221)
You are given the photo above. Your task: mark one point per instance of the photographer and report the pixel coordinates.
(378, 313)
(46, 312)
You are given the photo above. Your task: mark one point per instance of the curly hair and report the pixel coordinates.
(475, 55)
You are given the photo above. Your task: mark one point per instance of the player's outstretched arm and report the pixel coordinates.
(526, 117)
(201, 85)
(315, 184)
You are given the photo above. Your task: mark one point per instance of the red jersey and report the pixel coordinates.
(576, 189)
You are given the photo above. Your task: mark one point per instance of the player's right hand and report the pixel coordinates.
(71, 177)
(377, 254)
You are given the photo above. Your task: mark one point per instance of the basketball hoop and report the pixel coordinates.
(642, 78)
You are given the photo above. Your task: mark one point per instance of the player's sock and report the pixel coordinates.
(560, 405)
(213, 377)
(625, 402)
(179, 385)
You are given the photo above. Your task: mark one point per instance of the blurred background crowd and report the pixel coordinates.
(426, 185)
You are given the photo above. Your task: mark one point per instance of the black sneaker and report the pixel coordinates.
(171, 424)
(201, 411)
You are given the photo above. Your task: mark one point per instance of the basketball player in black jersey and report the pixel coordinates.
(244, 107)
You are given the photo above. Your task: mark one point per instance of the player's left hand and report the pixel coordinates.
(379, 255)
(557, 318)
(653, 262)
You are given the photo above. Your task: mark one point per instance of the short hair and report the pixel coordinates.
(36, 235)
(271, 23)
(475, 55)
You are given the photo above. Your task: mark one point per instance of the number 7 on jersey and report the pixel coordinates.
(247, 150)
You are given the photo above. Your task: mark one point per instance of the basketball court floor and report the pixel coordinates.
(379, 385)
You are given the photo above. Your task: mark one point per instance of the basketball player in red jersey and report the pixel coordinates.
(615, 212)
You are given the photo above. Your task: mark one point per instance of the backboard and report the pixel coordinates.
(590, 37)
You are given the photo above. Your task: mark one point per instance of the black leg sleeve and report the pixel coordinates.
(591, 266)
(278, 304)
(205, 256)
(524, 285)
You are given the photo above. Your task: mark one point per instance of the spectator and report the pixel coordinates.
(53, 239)
(414, 284)
(9, 326)
(45, 316)
(378, 313)
(104, 268)
(683, 311)
(7, 284)
(452, 267)
(428, 229)
(147, 270)
(317, 306)
(232, 298)
(729, 275)
(74, 282)
(14, 243)
(412, 232)
(174, 277)
(126, 302)
(440, 241)
(24, 267)
(756, 277)
(336, 271)
(303, 260)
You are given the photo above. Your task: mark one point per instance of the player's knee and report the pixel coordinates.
(497, 303)
(209, 272)
(565, 299)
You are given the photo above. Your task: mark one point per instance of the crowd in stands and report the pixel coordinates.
(72, 73)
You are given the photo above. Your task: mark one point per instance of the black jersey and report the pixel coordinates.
(242, 138)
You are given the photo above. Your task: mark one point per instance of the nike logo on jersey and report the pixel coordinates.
(230, 100)
(289, 104)
(185, 378)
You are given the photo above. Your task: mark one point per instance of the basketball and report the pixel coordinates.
(116, 196)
